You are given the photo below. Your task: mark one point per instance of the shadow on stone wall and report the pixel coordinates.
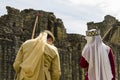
(17, 26)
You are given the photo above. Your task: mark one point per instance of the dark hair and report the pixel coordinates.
(49, 36)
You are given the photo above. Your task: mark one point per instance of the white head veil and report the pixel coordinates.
(96, 53)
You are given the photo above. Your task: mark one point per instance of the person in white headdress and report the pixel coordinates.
(38, 59)
(97, 58)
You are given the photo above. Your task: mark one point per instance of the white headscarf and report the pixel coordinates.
(96, 53)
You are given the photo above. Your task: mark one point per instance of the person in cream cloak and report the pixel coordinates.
(38, 59)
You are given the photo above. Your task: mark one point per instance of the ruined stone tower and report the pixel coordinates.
(16, 26)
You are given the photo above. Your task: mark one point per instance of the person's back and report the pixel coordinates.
(97, 58)
(25, 62)
(37, 60)
(51, 63)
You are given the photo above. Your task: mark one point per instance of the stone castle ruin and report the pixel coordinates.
(16, 26)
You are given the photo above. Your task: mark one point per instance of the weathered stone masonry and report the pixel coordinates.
(16, 26)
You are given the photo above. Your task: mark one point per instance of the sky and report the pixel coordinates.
(75, 14)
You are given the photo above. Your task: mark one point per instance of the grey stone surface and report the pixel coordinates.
(16, 27)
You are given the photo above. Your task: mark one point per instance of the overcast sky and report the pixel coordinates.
(74, 13)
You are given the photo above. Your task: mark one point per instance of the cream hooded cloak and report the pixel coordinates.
(37, 60)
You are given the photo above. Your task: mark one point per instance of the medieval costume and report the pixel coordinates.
(37, 60)
(97, 58)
